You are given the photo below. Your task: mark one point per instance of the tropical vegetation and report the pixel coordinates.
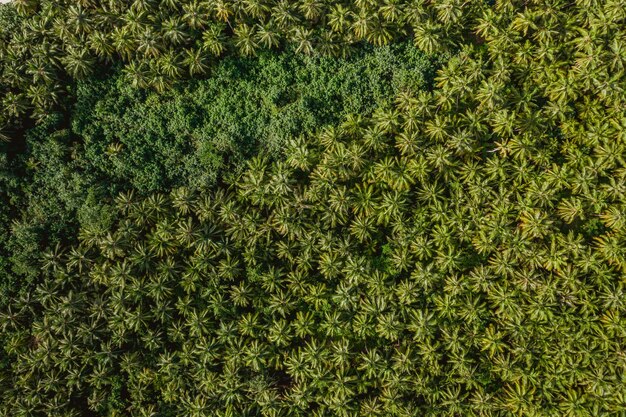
(313, 208)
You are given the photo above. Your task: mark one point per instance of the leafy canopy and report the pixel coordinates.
(118, 138)
(385, 267)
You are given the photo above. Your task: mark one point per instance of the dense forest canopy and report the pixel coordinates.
(313, 208)
(120, 138)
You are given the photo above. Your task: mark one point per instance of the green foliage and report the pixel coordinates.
(122, 138)
(189, 135)
(49, 185)
(9, 21)
(460, 252)
(378, 270)
(7, 180)
(160, 42)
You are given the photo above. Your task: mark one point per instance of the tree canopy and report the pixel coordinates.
(427, 230)
(378, 270)
(117, 138)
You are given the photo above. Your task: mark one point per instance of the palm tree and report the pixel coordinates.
(140, 5)
(303, 38)
(41, 70)
(268, 36)
(283, 14)
(79, 19)
(137, 75)
(149, 44)
(170, 5)
(78, 258)
(380, 33)
(362, 227)
(427, 36)
(329, 44)
(214, 39)
(78, 62)
(312, 10)
(245, 39)
(42, 97)
(173, 30)
(14, 105)
(195, 14)
(135, 20)
(169, 64)
(124, 42)
(362, 24)
(392, 11)
(101, 44)
(339, 18)
(25, 7)
(256, 9)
